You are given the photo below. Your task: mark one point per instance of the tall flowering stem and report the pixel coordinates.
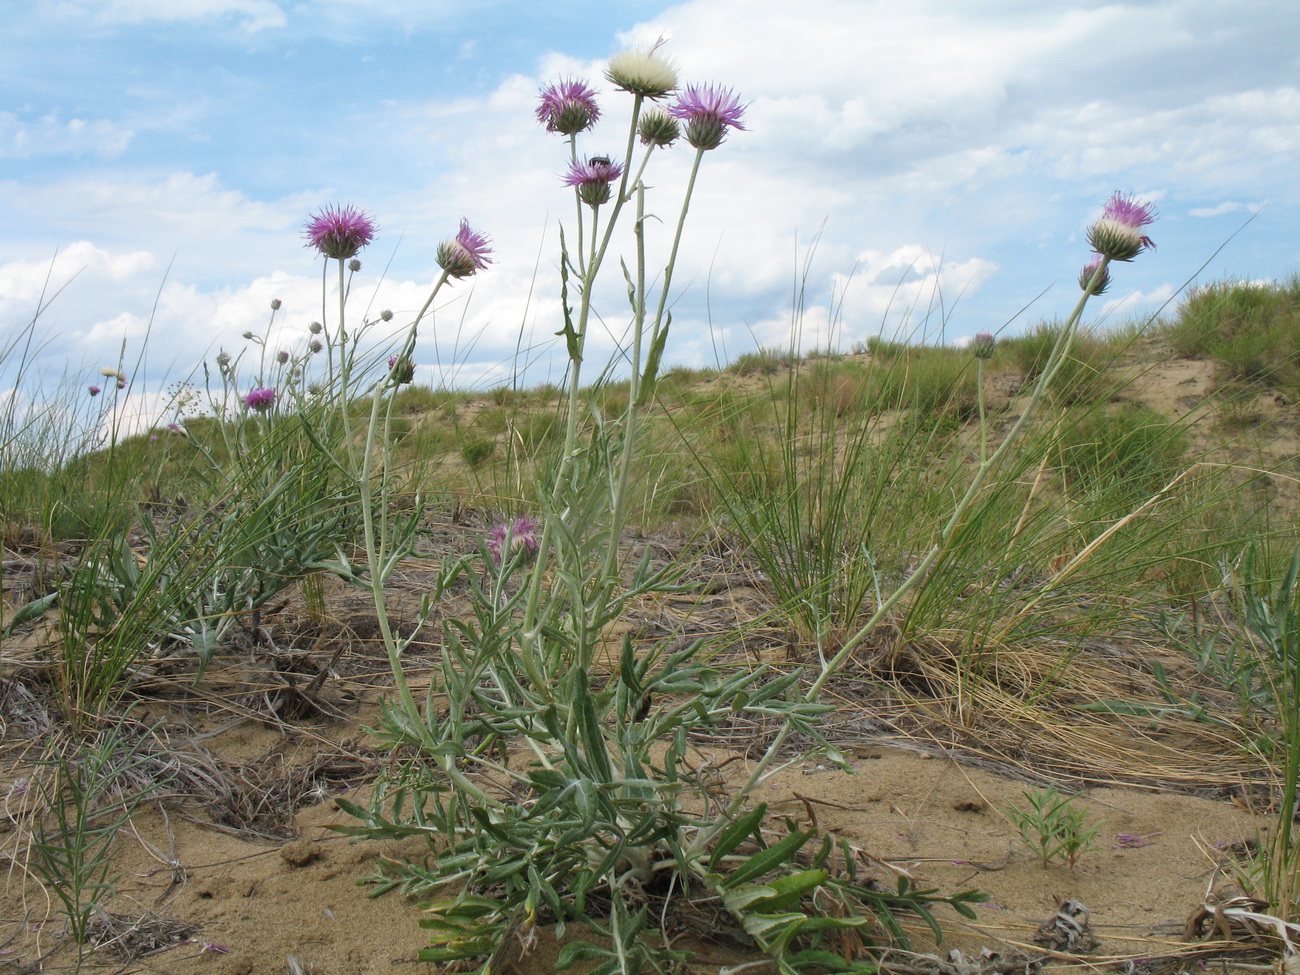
(1060, 352)
(659, 327)
(461, 256)
(338, 233)
(587, 268)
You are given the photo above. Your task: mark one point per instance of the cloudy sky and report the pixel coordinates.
(926, 167)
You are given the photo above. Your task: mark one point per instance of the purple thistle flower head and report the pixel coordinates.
(568, 107)
(464, 254)
(1118, 233)
(177, 429)
(282, 357)
(260, 399)
(1086, 275)
(708, 112)
(401, 369)
(592, 179)
(509, 539)
(340, 232)
(94, 390)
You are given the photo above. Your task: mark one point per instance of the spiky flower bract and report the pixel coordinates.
(1118, 233)
(642, 72)
(983, 344)
(340, 232)
(592, 178)
(260, 399)
(508, 539)
(568, 107)
(1089, 271)
(464, 254)
(657, 128)
(708, 112)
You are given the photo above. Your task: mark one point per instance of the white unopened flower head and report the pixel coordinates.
(641, 71)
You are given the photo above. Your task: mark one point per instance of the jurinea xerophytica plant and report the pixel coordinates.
(555, 785)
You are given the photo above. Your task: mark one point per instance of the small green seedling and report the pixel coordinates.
(1054, 827)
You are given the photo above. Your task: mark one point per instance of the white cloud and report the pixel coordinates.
(252, 15)
(50, 135)
(1227, 206)
(1136, 302)
(23, 282)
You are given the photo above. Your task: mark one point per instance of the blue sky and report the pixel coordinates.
(944, 157)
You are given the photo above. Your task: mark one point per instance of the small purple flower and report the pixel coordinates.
(708, 112)
(512, 538)
(120, 384)
(260, 399)
(177, 429)
(314, 346)
(401, 369)
(464, 254)
(592, 179)
(282, 357)
(340, 232)
(1118, 233)
(315, 328)
(1086, 276)
(568, 107)
(354, 265)
(94, 390)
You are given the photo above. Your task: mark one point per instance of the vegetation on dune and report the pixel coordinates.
(955, 527)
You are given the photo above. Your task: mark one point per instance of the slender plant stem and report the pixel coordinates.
(677, 240)
(918, 575)
(588, 270)
(376, 542)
